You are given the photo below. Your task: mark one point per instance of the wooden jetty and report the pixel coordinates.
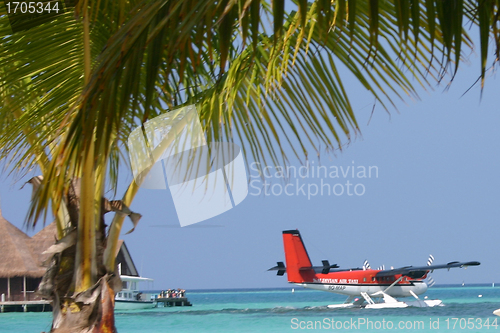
(26, 306)
(173, 301)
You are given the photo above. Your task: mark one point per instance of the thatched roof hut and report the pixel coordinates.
(42, 240)
(17, 258)
(22, 260)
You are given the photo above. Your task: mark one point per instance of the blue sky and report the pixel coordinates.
(436, 192)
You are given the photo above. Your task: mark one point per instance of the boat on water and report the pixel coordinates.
(130, 298)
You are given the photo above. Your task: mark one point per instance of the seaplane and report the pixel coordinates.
(365, 287)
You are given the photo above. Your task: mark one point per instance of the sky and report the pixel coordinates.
(433, 190)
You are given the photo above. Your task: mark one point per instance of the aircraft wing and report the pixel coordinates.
(420, 271)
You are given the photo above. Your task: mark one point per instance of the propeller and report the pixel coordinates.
(430, 281)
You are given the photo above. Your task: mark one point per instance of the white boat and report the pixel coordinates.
(130, 298)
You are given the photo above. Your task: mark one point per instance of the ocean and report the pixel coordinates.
(467, 309)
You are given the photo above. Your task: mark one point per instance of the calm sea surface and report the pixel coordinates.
(279, 310)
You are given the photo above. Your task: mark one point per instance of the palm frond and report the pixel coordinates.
(281, 92)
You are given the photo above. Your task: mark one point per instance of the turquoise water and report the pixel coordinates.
(283, 311)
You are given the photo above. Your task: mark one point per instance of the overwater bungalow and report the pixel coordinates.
(20, 267)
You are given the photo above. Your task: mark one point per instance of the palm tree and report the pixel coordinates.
(75, 85)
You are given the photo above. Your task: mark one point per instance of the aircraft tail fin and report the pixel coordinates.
(298, 265)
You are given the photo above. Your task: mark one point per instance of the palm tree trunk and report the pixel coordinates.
(77, 309)
(89, 311)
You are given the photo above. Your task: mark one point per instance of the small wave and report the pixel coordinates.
(283, 309)
(261, 311)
